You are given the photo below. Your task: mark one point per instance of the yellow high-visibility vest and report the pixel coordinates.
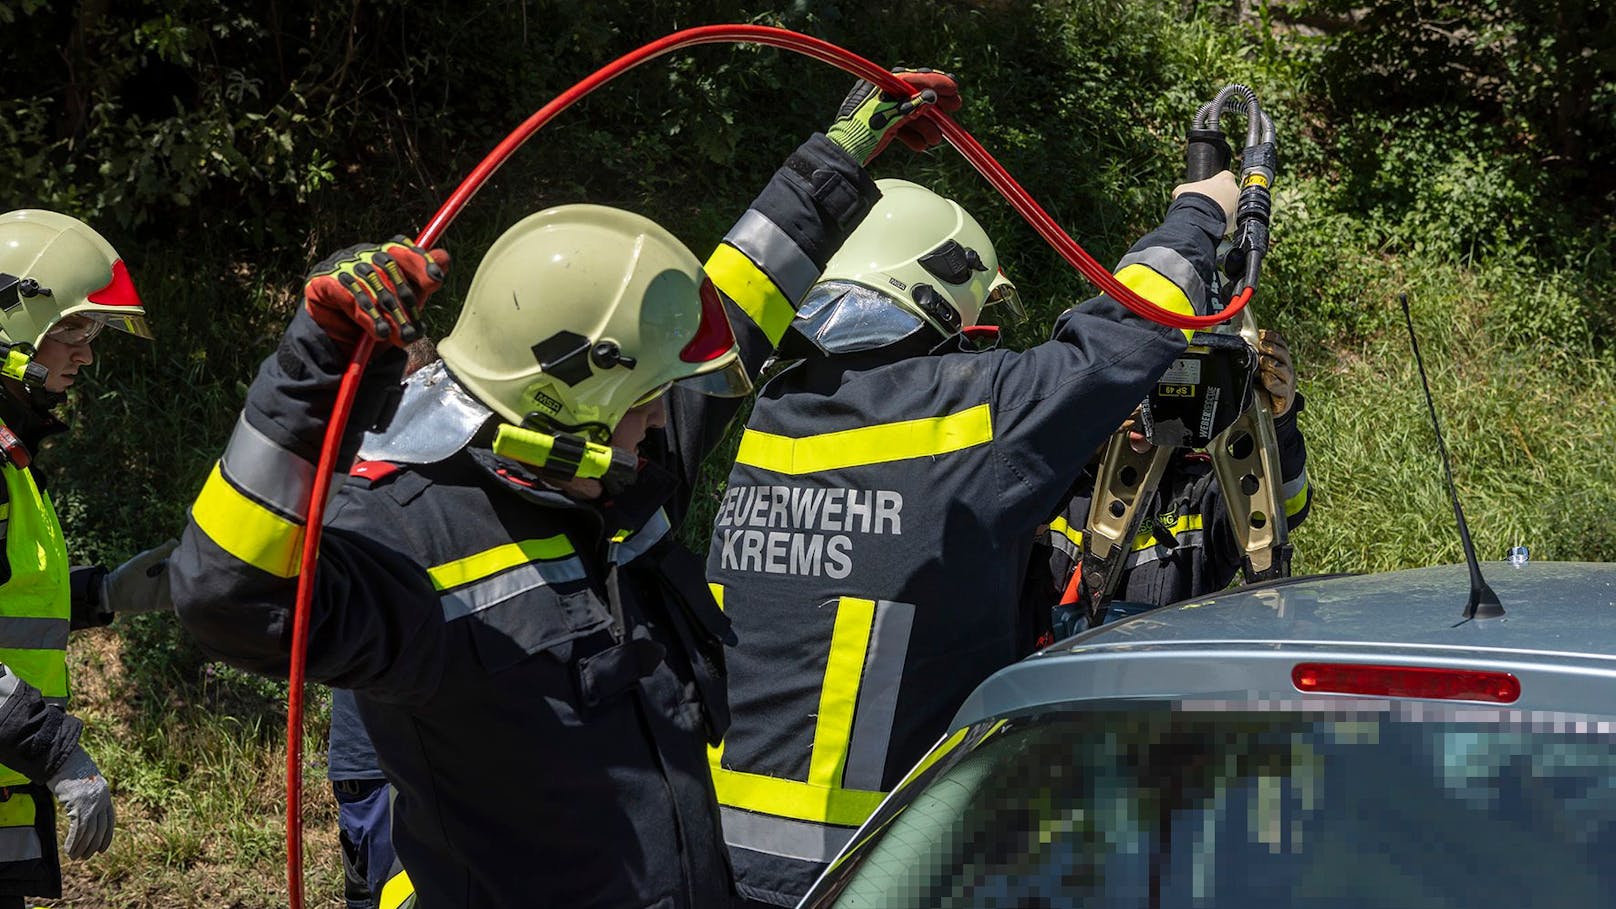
(35, 614)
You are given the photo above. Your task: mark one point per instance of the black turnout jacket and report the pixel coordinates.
(540, 675)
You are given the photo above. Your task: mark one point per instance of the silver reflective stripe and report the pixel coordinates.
(267, 472)
(8, 684)
(777, 254)
(1064, 544)
(33, 633)
(480, 595)
(1190, 539)
(57, 702)
(643, 539)
(1293, 488)
(19, 844)
(1173, 266)
(878, 696)
(781, 836)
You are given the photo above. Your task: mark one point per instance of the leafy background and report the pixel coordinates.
(1461, 152)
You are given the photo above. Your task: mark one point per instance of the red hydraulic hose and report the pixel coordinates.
(815, 48)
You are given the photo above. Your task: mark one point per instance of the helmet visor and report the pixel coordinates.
(82, 327)
(132, 324)
(728, 381)
(1002, 293)
(78, 328)
(842, 317)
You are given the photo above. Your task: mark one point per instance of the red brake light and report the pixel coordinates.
(713, 337)
(1407, 682)
(120, 291)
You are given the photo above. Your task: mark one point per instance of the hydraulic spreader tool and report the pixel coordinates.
(1207, 400)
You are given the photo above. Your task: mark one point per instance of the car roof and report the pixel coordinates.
(1558, 634)
(1550, 606)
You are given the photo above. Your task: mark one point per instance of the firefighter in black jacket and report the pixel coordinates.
(871, 544)
(536, 659)
(1185, 548)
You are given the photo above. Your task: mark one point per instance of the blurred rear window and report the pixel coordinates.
(1393, 805)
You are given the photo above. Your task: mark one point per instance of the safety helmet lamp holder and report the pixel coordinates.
(564, 456)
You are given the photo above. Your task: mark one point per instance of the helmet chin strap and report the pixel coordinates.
(567, 456)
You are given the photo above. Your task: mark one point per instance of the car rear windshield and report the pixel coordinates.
(1386, 804)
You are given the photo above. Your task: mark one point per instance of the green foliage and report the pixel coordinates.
(1538, 70)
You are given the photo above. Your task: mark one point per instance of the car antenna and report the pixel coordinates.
(1483, 603)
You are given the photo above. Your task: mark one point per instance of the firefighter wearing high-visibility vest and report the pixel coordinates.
(1185, 547)
(538, 661)
(870, 546)
(60, 284)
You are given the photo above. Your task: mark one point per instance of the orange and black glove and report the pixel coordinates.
(869, 120)
(374, 288)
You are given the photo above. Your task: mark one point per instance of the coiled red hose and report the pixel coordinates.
(806, 45)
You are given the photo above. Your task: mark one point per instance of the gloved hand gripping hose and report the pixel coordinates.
(1209, 153)
(808, 46)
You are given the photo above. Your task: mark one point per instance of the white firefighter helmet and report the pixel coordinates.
(580, 312)
(917, 259)
(53, 266)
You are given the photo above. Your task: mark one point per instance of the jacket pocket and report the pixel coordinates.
(512, 628)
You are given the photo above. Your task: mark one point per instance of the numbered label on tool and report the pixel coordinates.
(1180, 380)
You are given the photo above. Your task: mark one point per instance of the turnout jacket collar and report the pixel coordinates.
(32, 423)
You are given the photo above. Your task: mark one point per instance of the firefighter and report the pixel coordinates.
(1186, 548)
(537, 660)
(61, 283)
(871, 543)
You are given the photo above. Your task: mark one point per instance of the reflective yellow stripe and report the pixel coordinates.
(1061, 526)
(789, 798)
(821, 799)
(397, 889)
(1149, 283)
(246, 529)
(867, 445)
(5, 510)
(493, 561)
(849, 643)
(1147, 539)
(17, 811)
(718, 593)
(752, 290)
(1294, 503)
